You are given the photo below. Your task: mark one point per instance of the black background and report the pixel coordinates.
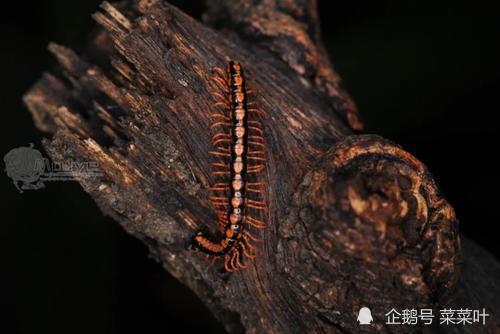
(424, 74)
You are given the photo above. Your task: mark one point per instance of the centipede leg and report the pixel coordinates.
(219, 96)
(222, 227)
(220, 124)
(261, 208)
(256, 184)
(221, 71)
(254, 137)
(256, 143)
(219, 115)
(221, 140)
(219, 154)
(226, 263)
(246, 252)
(221, 173)
(259, 130)
(255, 222)
(221, 83)
(255, 168)
(221, 135)
(249, 235)
(218, 198)
(211, 260)
(234, 253)
(237, 256)
(224, 188)
(223, 204)
(223, 148)
(239, 260)
(224, 104)
(258, 191)
(256, 158)
(220, 164)
(256, 123)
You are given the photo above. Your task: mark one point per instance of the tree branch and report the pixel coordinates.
(353, 220)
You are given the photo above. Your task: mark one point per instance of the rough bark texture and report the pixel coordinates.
(354, 220)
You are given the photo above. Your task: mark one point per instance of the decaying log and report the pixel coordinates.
(354, 220)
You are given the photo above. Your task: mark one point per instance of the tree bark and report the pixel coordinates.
(354, 220)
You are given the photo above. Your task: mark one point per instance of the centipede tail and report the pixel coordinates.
(238, 145)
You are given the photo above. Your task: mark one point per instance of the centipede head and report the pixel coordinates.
(192, 244)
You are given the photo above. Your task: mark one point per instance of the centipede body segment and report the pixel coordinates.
(239, 154)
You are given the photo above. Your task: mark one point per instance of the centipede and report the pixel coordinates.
(239, 162)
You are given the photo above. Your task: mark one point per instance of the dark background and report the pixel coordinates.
(425, 74)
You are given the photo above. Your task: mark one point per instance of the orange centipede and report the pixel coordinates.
(240, 159)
